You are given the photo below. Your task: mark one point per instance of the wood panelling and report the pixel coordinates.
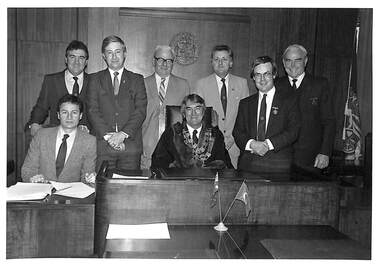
(143, 33)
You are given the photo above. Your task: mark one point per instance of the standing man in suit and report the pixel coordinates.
(63, 153)
(117, 108)
(223, 91)
(313, 148)
(72, 80)
(163, 88)
(267, 123)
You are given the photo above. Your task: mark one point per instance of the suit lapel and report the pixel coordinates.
(214, 93)
(61, 84)
(276, 103)
(252, 113)
(124, 83)
(170, 91)
(74, 150)
(51, 142)
(84, 86)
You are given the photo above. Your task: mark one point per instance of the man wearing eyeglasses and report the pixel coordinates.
(267, 123)
(314, 146)
(72, 80)
(163, 88)
(117, 108)
(191, 143)
(223, 91)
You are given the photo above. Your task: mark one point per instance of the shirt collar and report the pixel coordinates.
(61, 132)
(70, 76)
(269, 93)
(120, 71)
(191, 129)
(219, 78)
(299, 79)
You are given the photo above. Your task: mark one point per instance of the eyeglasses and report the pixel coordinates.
(266, 75)
(198, 110)
(161, 61)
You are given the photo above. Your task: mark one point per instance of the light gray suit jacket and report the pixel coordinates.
(207, 88)
(41, 157)
(176, 90)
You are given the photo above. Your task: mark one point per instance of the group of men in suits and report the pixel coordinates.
(126, 112)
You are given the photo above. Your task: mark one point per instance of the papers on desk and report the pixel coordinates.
(114, 175)
(140, 231)
(23, 191)
(72, 189)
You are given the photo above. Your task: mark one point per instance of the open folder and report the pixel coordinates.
(23, 191)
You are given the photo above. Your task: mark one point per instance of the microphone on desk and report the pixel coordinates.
(103, 168)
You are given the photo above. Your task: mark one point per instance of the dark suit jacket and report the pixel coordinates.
(172, 150)
(53, 88)
(127, 110)
(317, 130)
(282, 131)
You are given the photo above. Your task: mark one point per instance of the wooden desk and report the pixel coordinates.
(241, 241)
(121, 201)
(58, 227)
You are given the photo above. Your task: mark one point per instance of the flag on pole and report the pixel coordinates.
(243, 196)
(215, 191)
(351, 129)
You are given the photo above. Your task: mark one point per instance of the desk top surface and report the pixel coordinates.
(240, 241)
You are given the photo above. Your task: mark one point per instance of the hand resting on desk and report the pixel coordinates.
(38, 179)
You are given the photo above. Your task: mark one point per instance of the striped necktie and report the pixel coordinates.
(161, 92)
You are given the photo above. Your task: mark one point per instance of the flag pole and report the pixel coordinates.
(229, 209)
(220, 227)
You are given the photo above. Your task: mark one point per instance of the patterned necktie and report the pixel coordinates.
(195, 138)
(76, 86)
(116, 83)
(294, 86)
(60, 161)
(262, 119)
(223, 96)
(161, 92)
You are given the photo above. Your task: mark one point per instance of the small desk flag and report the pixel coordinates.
(215, 191)
(243, 196)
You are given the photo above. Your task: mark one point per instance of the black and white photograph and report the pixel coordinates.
(143, 133)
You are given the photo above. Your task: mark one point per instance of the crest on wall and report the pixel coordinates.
(186, 48)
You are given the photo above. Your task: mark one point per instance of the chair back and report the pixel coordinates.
(173, 115)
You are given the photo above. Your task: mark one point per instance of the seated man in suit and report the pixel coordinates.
(163, 88)
(223, 91)
(191, 143)
(64, 153)
(72, 80)
(267, 123)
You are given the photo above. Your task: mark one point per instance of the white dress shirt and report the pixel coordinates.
(69, 81)
(269, 100)
(191, 130)
(69, 141)
(120, 71)
(158, 82)
(299, 80)
(220, 83)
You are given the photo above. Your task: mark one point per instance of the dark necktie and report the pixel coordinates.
(195, 138)
(60, 161)
(116, 83)
(76, 86)
(161, 92)
(294, 86)
(262, 119)
(223, 96)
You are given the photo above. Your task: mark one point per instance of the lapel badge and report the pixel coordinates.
(275, 110)
(314, 101)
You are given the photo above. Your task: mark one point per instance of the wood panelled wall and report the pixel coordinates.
(37, 39)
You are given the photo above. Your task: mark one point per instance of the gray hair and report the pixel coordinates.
(300, 47)
(164, 48)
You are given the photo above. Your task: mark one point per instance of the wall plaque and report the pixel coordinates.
(186, 47)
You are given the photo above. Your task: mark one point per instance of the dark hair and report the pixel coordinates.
(222, 48)
(77, 45)
(263, 60)
(110, 39)
(69, 98)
